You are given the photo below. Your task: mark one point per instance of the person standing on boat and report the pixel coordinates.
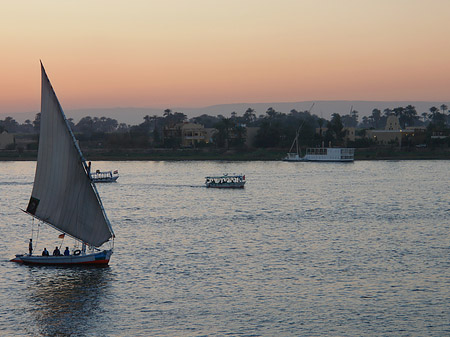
(30, 247)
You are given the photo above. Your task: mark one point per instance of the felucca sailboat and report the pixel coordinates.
(64, 195)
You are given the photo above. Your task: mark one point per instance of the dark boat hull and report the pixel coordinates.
(100, 258)
(226, 185)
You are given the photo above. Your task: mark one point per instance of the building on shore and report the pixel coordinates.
(394, 134)
(191, 134)
(6, 140)
(187, 134)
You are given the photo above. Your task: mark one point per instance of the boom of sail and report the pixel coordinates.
(63, 194)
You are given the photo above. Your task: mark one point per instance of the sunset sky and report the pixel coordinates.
(179, 53)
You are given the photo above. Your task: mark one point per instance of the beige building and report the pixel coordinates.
(392, 123)
(192, 134)
(393, 133)
(384, 137)
(5, 140)
(189, 134)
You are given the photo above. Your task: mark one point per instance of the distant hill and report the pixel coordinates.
(134, 116)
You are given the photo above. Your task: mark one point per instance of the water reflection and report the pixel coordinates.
(67, 301)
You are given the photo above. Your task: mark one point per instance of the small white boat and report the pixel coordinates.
(226, 181)
(104, 177)
(64, 196)
(294, 156)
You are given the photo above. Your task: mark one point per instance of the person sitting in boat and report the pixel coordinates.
(56, 252)
(45, 252)
(67, 252)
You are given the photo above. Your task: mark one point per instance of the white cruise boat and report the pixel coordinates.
(330, 154)
(327, 154)
(336, 154)
(104, 177)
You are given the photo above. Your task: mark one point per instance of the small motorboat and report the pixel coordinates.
(226, 181)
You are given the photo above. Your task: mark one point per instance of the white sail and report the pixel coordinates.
(63, 194)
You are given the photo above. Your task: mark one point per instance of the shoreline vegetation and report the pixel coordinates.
(394, 134)
(230, 155)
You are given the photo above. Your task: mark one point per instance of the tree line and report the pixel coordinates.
(275, 129)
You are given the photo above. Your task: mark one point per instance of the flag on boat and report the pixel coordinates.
(61, 236)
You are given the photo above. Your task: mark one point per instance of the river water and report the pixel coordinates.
(306, 249)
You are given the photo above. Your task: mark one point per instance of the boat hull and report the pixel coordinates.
(293, 157)
(100, 258)
(293, 160)
(226, 185)
(105, 180)
(321, 160)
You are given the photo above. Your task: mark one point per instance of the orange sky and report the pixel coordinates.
(178, 53)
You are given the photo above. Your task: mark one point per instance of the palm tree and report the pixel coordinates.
(10, 124)
(168, 118)
(410, 115)
(376, 116)
(37, 122)
(400, 113)
(335, 127)
(433, 112)
(271, 112)
(147, 119)
(387, 112)
(424, 116)
(436, 117)
(365, 122)
(249, 115)
(223, 136)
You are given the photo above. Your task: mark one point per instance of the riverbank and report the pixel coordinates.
(158, 154)
(256, 155)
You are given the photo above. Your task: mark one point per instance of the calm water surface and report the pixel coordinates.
(305, 249)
